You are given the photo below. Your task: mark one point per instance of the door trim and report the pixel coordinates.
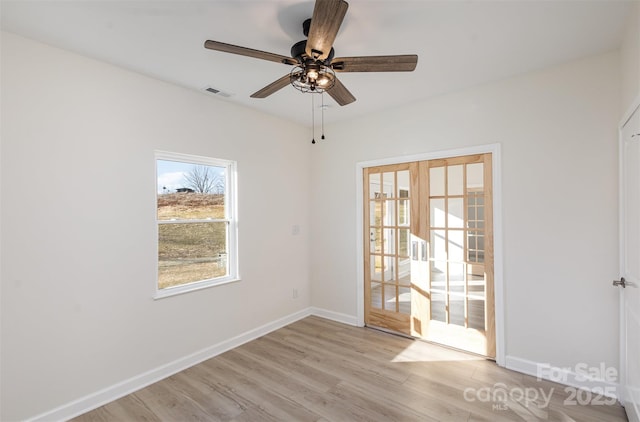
(493, 149)
(635, 105)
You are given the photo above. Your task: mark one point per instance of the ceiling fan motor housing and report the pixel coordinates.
(298, 52)
(305, 27)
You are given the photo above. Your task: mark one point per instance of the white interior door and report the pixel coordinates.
(630, 265)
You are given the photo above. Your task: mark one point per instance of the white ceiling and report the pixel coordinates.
(459, 43)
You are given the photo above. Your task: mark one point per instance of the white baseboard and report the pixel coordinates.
(335, 316)
(121, 389)
(566, 376)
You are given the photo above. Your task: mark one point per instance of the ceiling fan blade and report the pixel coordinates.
(325, 23)
(341, 94)
(402, 63)
(248, 52)
(273, 87)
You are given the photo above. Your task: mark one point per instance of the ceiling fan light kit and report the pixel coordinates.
(314, 79)
(314, 66)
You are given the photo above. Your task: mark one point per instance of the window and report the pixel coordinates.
(196, 222)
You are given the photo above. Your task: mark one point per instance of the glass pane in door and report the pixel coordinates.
(438, 307)
(455, 213)
(456, 309)
(404, 300)
(437, 212)
(436, 181)
(390, 297)
(389, 184)
(475, 176)
(455, 180)
(375, 183)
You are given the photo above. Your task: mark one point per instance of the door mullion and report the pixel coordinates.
(419, 223)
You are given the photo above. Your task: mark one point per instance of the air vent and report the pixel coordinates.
(215, 91)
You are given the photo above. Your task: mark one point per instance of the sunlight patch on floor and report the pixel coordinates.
(420, 351)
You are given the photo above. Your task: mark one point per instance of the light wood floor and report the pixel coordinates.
(319, 370)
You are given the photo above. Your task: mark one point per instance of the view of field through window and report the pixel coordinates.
(192, 223)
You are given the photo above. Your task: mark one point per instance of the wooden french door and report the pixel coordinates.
(390, 192)
(429, 251)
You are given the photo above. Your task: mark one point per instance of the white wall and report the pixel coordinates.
(558, 130)
(79, 235)
(630, 54)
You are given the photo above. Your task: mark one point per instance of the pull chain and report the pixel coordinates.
(313, 122)
(322, 137)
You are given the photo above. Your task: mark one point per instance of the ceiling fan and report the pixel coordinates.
(313, 61)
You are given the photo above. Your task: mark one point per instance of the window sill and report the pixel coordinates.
(192, 287)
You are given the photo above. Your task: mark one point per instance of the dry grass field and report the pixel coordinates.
(190, 252)
(190, 206)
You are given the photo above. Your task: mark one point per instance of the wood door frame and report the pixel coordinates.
(493, 149)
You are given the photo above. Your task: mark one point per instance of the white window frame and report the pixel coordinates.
(231, 218)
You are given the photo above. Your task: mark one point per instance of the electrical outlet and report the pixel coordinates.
(295, 230)
(295, 293)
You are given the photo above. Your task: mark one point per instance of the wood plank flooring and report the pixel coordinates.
(320, 370)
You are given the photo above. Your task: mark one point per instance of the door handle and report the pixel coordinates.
(622, 282)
